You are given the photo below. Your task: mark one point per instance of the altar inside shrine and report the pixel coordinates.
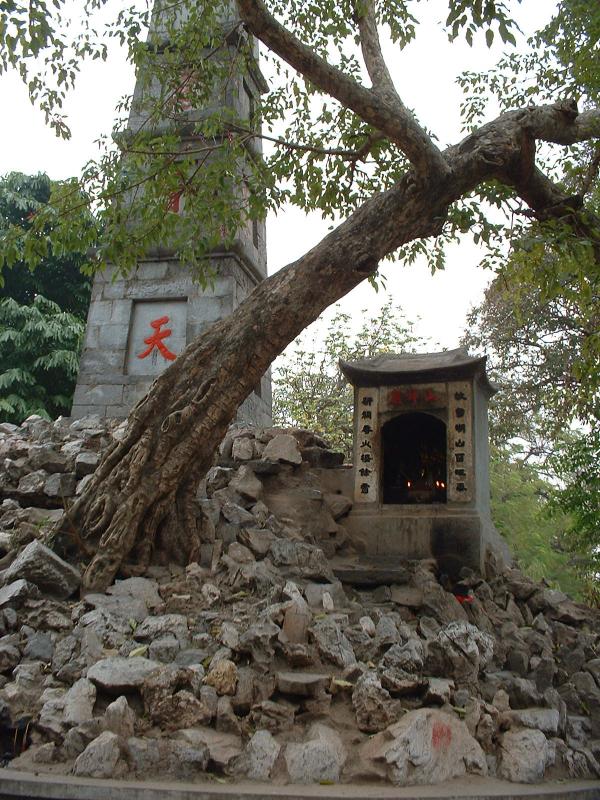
(421, 458)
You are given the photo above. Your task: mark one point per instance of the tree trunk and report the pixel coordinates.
(139, 502)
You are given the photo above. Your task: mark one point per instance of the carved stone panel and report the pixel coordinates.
(366, 432)
(157, 335)
(461, 478)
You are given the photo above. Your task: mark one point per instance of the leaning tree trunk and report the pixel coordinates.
(140, 499)
(139, 502)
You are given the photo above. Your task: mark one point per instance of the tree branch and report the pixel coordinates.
(397, 123)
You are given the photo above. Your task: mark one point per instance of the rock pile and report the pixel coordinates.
(257, 661)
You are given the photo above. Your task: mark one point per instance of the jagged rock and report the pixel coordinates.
(51, 719)
(258, 540)
(9, 657)
(523, 756)
(332, 644)
(283, 447)
(439, 691)
(242, 449)
(259, 757)
(85, 463)
(170, 700)
(116, 675)
(544, 719)
(166, 757)
(39, 647)
(164, 649)
(409, 656)
(100, 757)
(296, 622)
(120, 718)
(16, 593)
(338, 504)
(271, 716)
(123, 606)
(32, 484)
(223, 748)
(246, 484)
(42, 567)
(304, 684)
(167, 625)
(259, 640)
(373, 706)
(461, 650)
(237, 515)
(427, 746)
(60, 486)
(223, 676)
(320, 758)
(144, 589)
(79, 702)
(302, 559)
(314, 594)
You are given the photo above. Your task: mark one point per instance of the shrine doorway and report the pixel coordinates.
(414, 459)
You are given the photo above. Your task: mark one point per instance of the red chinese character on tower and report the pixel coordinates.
(156, 340)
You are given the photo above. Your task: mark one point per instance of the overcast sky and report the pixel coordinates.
(424, 74)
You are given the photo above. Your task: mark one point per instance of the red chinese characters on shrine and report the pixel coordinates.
(413, 397)
(155, 340)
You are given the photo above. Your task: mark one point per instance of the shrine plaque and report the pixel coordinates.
(366, 486)
(460, 442)
(157, 335)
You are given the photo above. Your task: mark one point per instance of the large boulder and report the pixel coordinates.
(426, 746)
(41, 566)
(523, 756)
(100, 757)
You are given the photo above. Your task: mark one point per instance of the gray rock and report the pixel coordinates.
(52, 719)
(338, 504)
(373, 706)
(32, 484)
(320, 758)
(119, 718)
(223, 748)
(332, 644)
(164, 649)
(314, 594)
(9, 657)
(116, 675)
(409, 656)
(100, 757)
(237, 515)
(78, 738)
(303, 684)
(258, 540)
(44, 456)
(427, 746)
(283, 447)
(461, 650)
(39, 647)
(246, 484)
(242, 449)
(86, 463)
(523, 756)
(259, 757)
(166, 625)
(143, 588)
(15, 593)
(60, 485)
(79, 702)
(543, 719)
(41, 566)
(259, 640)
(123, 606)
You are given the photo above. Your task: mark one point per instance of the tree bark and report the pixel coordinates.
(139, 503)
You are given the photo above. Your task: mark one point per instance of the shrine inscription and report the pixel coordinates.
(157, 335)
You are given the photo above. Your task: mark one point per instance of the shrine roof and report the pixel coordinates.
(389, 369)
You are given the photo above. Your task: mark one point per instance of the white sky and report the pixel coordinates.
(424, 75)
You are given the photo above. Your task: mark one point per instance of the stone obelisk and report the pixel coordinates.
(138, 324)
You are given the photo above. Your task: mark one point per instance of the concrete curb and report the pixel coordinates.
(35, 786)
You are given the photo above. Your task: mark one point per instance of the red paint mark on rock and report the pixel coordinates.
(441, 736)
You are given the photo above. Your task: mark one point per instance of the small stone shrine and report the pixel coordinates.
(421, 456)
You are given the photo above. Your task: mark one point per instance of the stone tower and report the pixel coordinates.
(138, 324)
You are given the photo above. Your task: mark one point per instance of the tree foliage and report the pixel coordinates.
(39, 352)
(59, 277)
(308, 388)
